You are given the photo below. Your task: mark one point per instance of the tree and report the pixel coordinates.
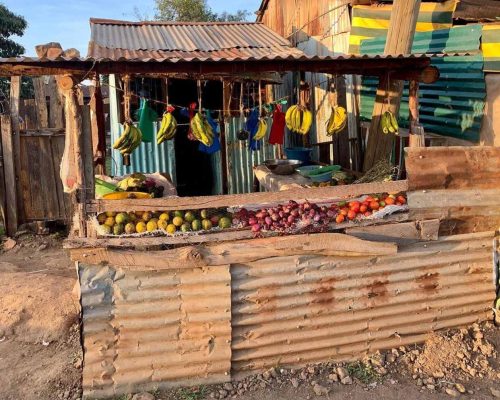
(194, 10)
(12, 24)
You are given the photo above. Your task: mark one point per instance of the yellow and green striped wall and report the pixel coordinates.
(490, 46)
(373, 21)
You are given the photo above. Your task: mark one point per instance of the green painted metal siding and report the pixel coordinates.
(454, 105)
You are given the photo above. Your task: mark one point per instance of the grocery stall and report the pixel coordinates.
(206, 289)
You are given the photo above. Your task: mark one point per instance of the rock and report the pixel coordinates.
(311, 370)
(240, 392)
(9, 244)
(476, 327)
(393, 381)
(419, 382)
(313, 383)
(295, 382)
(395, 352)
(320, 390)
(438, 374)
(274, 373)
(460, 387)
(495, 392)
(390, 358)
(342, 373)
(263, 385)
(303, 375)
(402, 349)
(228, 386)
(472, 371)
(451, 392)
(266, 375)
(477, 335)
(214, 395)
(143, 396)
(333, 377)
(43, 246)
(382, 371)
(430, 387)
(223, 394)
(346, 381)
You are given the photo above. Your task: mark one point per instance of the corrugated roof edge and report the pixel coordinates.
(104, 21)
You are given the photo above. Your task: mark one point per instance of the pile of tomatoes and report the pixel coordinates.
(357, 209)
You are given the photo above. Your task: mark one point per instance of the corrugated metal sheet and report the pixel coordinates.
(297, 310)
(241, 159)
(161, 40)
(454, 105)
(490, 47)
(144, 330)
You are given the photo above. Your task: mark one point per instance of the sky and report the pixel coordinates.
(67, 21)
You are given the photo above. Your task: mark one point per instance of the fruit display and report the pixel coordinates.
(389, 123)
(299, 119)
(168, 127)
(337, 120)
(140, 183)
(293, 216)
(167, 222)
(129, 140)
(261, 129)
(201, 129)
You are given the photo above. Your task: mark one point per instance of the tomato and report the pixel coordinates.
(390, 200)
(374, 205)
(351, 214)
(367, 214)
(353, 204)
(344, 211)
(363, 208)
(340, 218)
(401, 199)
(355, 208)
(368, 199)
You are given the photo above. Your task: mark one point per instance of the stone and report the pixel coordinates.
(223, 394)
(9, 244)
(419, 382)
(402, 349)
(460, 387)
(438, 374)
(477, 335)
(228, 386)
(266, 375)
(390, 358)
(295, 382)
(333, 377)
(430, 387)
(214, 395)
(143, 396)
(382, 371)
(303, 375)
(320, 390)
(263, 385)
(274, 373)
(346, 381)
(451, 392)
(495, 392)
(311, 370)
(342, 372)
(395, 352)
(43, 246)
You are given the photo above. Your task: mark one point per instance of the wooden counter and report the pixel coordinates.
(270, 182)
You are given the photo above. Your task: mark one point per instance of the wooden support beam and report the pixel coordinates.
(11, 209)
(326, 244)
(56, 113)
(98, 128)
(399, 41)
(417, 138)
(41, 102)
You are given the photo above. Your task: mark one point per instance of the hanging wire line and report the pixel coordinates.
(131, 94)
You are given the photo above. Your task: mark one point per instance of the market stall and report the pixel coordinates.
(195, 290)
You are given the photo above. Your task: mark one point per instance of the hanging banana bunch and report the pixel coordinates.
(168, 127)
(299, 119)
(262, 125)
(337, 120)
(200, 127)
(129, 140)
(389, 123)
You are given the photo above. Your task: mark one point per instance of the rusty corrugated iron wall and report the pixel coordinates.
(298, 310)
(144, 329)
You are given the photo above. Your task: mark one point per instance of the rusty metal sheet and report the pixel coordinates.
(297, 310)
(148, 330)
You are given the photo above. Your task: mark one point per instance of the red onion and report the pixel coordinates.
(252, 220)
(268, 220)
(256, 228)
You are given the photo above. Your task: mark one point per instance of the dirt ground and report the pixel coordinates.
(40, 351)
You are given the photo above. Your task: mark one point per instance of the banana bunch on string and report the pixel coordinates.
(261, 129)
(299, 119)
(389, 123)
(337, 120)
(168, 127)
(129, 140)
(202, 130)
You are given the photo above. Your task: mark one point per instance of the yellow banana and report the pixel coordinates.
(288, 116)
(297, 119)
(261, 130)
(337, 120)
(307, 120)
(121, 140)
(394, 122)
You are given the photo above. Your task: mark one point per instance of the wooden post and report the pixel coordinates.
(417, 139)
(402, 27)
(98, 128)
(56, 113)
(41, 102)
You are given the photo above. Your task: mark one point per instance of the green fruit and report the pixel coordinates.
(186, 227)
(121, 218)
(224, 223)
(196, 225)
(179, 214)
(130, 228)
(204, 214)
(110, 213)
(206, 224)
(118, 229)
(110, 221)
(189, 216)
(132, 217)
(105, 230)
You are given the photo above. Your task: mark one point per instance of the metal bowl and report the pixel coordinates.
(282, 167)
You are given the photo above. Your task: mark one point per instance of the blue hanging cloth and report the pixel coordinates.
(215, 147)
(252, 127)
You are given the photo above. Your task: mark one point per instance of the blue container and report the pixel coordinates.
(299, 153)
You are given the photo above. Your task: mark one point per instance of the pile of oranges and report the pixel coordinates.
(371, 204)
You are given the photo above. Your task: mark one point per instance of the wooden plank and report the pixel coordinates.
(87, 153)
(63, 200)
(449, 198)
(10, 175)
(28, 115)
(50, 178)
(402, 233)
(15, 95)
(453, 167)
(56, 111)
(187, 203)
(98, 127)
(2, 183)
(41, 102)
(327, 244)
(400, 35)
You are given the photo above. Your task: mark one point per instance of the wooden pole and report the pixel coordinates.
(417, 138)
(402, 27)
(98, 128)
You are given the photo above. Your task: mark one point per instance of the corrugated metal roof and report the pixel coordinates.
(187, 40)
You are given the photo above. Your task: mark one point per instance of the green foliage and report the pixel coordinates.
(194, 10)
(363, 372)
(12, 24)
(192, 394)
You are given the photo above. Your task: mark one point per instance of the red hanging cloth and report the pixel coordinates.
(278, 127)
